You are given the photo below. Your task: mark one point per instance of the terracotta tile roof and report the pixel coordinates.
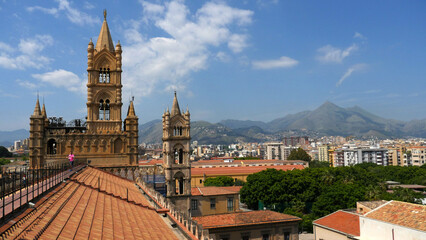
(239, 170)
(239, 162)
(213, 191)
(373, 204)
(341, 221)
(243, 218)
(79, 211)
(111, 184)
(151, 162)
(401, 213)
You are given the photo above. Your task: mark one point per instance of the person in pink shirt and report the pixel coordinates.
(71, 159)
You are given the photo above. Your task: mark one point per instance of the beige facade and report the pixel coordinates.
(101, 140)
(322, 233)
(276, 231)
(323, 153)
(219, 203)
(418, 155)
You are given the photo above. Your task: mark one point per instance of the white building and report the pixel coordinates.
(352, 156)
(278, 151)
(394, 220)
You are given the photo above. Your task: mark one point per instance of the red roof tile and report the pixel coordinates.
(401, 213)
(341, 221)
(243, 218)
(239, 170)
(81, 211)
(213, 191)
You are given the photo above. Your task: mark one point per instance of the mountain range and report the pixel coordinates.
(327, 120)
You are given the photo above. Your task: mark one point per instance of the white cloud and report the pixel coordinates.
(223, 57)
(237, 42)
(88, 5)
(62, 79)
(166, 62)
(34, 45)
(349, 72)
(282, 62)
(73, 14)
(26, 84)
(4, 47)
(27, 54)
(330, 54)
(359, 35)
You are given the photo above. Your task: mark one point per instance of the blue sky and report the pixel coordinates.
(256, 60)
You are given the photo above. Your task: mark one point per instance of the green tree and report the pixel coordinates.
(299, 154)
(338, 196)
(4, 152)
(221, 181)
(4, 161)
(318, 164)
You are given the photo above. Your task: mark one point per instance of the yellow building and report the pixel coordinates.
(418, 155)
(323, 153)
(100, 139)
(214, 200)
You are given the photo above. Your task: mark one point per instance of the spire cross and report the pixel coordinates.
(105, 13)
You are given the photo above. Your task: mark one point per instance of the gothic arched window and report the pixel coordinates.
(107, 76)
(104, 110)
(100, 75)
(107, 111)
(101, 109)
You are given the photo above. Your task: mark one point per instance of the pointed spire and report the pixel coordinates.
(131, 112)
(37, 111)
(43, 110)
(104, 39)
(175, 107)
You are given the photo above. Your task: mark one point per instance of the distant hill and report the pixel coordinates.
(328, 119)
(7, 138)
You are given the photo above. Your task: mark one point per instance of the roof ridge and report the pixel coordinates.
(377, 208)
(112, 194)
(200, 191)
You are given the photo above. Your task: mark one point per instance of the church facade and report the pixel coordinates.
(103, 139)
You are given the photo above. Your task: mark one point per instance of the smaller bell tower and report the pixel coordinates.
(37, 144)
(176, 162)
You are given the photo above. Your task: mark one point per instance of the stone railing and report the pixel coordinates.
(191, 228)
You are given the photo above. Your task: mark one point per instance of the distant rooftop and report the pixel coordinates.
(243, 219)
(401, 213)
(240, 170)
(341, 221)
(214, 191)
(373, 204)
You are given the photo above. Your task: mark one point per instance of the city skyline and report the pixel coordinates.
(226, 59)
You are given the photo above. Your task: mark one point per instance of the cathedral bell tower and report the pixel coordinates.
(176, 162)
(37, 144)
(104, 84)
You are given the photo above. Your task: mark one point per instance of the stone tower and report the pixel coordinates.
(101, 139)
(176, 162)
(37, 125)
(104, 84)
(131, 129)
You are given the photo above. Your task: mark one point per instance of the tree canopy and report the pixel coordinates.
(315, 192)
(4, 161)
(299, 154)
(4, 152)
(221, 181)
